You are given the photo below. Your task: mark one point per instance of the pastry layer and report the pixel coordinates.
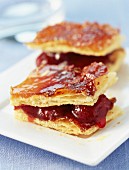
(76, 87)
(87, 38)
(116, 60)
(113, 60)
(65, 125)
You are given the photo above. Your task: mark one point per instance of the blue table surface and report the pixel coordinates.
(15, 155)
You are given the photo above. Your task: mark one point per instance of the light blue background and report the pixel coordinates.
(18, 156)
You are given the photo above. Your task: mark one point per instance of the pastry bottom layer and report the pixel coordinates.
(67, 126)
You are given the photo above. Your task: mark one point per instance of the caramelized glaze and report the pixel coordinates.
(52, 79)
(83, 116)
(91, 35)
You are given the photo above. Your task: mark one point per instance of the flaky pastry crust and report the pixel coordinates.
(87, 38)
(64, 97)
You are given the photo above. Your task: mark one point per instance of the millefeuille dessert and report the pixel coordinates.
(66, 90)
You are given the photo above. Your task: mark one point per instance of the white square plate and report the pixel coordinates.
(90, 151)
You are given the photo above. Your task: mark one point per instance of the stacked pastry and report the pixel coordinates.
(66, 90)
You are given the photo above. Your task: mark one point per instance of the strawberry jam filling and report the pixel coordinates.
(70, 59)
(81, 115)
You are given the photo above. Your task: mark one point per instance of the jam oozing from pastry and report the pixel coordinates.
(83, 116)
(70, 58)
(53, 79)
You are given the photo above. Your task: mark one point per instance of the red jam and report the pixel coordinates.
(83, 116)
(60, 80)
(70, 58)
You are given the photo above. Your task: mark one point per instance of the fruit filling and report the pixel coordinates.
(82, 115)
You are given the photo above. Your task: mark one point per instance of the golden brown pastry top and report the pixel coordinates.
(53, 80)
(87, 38)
